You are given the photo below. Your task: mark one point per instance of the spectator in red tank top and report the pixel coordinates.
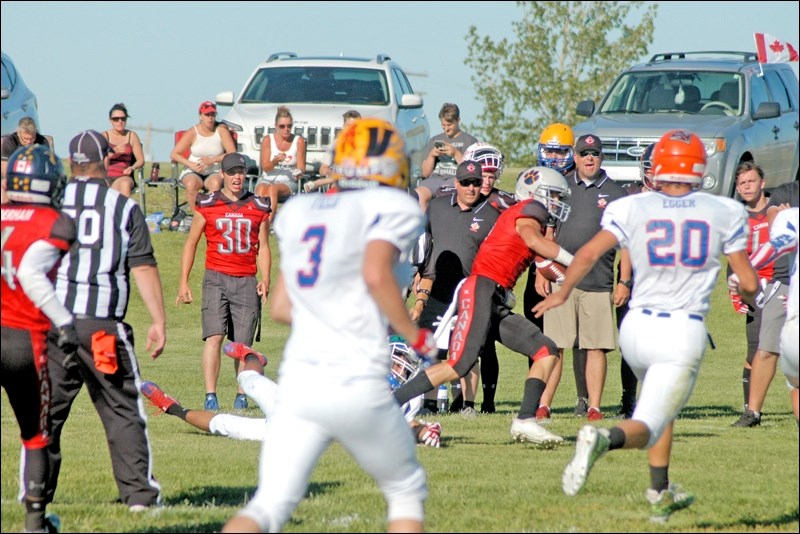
(126, 155)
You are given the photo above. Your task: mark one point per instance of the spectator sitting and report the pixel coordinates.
(25, 135)
(126, 151)
(208, 142)
(283, 160)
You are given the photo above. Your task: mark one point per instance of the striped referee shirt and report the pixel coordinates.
(112, 237)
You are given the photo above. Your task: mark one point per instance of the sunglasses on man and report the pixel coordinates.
(593, 153)
(471, 182)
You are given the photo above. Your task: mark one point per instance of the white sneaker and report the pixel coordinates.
(529, 430)
(590, 445)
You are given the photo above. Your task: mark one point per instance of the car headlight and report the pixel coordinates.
(714, 145)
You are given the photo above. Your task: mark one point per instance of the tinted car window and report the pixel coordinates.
(777, 90)
(758, 92)
(323, 85)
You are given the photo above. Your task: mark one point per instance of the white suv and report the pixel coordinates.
(317, 91)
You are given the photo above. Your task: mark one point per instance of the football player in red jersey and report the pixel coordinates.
(35, 237)
(485, 299)
(236, 226)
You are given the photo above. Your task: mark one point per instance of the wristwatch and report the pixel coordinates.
(627, 283)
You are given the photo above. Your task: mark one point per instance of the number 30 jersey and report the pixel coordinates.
(322, 241)
(232, 231)
(675, 245)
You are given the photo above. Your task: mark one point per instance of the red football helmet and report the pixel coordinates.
(679, 157)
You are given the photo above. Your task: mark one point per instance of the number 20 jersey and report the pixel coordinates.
(322, 241)
(675, 245)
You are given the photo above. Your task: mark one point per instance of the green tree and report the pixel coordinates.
(563, 52)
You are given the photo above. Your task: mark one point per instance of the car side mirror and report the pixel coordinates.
(585, 108)
(224, 98)
(767, 110)
(410, 101)
(4, 93)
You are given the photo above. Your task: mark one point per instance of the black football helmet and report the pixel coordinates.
(36, 175)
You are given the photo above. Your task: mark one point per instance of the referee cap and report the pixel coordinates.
(88, 147)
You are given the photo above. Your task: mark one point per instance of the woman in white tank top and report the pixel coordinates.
(283, 161)
(206, 144)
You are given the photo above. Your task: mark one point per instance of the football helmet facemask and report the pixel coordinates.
(679, 157)
(370, 152)
(646, 168)
(405, 362)
(559, 137)
(548, 187)
(35, 174)
(490, 158)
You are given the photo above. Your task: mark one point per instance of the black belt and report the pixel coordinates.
(84, 317)
(694, 316)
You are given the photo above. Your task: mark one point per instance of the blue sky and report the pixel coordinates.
(163, 58)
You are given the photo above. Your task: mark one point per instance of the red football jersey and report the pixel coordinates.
(23, 225)
(504, 256)
(232, 232)
(759, 234)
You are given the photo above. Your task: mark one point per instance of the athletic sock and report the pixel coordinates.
(616, 438)
(531, 396)
(659, 478)
(746, 386)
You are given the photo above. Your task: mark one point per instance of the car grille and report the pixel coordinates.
(627, 149)
(317, 137)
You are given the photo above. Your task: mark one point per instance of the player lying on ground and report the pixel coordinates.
(262, 390)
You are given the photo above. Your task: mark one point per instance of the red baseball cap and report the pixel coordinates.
(207, 107)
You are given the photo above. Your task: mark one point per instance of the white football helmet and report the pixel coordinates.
(490, 158)
(547, 186)
(405, 362)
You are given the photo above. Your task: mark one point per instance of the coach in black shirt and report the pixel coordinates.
(93, 283)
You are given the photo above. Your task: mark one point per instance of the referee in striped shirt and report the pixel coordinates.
(93, 282)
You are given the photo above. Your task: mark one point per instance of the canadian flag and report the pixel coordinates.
(773, 50)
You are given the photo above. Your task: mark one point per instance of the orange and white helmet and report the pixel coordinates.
(559, 137)
(490, 158)
(679, 157)
(370, 152)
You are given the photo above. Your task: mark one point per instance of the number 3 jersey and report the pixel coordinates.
(322, 240)
(675, 245)
(231, 231)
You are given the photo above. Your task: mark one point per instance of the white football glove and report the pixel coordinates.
(430, 435)
(733, 283)
(761, 297)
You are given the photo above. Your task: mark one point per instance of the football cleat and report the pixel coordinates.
(528, 430)
(591, 444)
(240, 351)
(157, 397)
(665, 502)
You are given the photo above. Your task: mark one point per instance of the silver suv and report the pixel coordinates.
(18, 100)
(317, 91)
(742, 110)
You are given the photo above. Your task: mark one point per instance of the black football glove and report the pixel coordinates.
(67, 338)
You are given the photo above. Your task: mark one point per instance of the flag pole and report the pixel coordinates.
(760, 65)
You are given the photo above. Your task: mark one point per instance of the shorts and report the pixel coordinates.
(773, 315)
(434, 183)
(274, 179)
(587, 316)
(215, 169)
(231, 305)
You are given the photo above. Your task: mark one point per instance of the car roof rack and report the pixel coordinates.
(746, 56)
(383, 57)
(279, 55)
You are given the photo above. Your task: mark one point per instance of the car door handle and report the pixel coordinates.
(775, 131)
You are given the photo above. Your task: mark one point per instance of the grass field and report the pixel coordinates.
(479, 481)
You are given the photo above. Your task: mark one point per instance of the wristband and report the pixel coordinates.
(563, 257)
(626, 283)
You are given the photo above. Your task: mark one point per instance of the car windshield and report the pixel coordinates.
(701, 92)
(317, 85)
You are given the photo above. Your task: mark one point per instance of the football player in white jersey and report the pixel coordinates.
(343, 262)
(675, 237)
(783, 239)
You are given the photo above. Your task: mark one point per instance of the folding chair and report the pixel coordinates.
(171, 182)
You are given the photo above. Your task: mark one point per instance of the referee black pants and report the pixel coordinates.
(116, 399)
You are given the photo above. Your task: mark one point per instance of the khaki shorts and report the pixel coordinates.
(773, 315)
(587, 316)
